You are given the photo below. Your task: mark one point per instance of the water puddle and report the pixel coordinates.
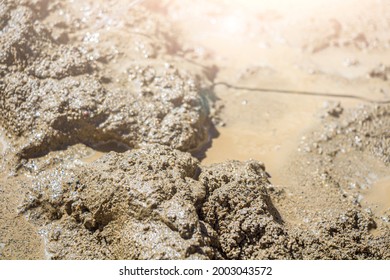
(95, 155)
(254, 54)
(102, 148)
(111, 145)
(378, 197)
(238, 143)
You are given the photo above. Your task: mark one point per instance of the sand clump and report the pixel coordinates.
(154, 203)
(344, 157)
(241, 212)
(60, 87)
(159, 203)
(136, 205)
(52, 95)
(362, 129)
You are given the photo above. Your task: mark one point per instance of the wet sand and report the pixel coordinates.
(284, 84)
(19, 238)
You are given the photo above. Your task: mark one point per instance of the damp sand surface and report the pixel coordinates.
(278, 79)
(19, 239)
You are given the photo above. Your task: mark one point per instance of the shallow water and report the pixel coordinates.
(95, 155)
(250, 141)
(253, 50)
(378, 196)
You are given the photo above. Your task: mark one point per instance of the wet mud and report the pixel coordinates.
(164, 130)
(53, 95)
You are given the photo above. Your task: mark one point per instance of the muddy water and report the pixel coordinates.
(267, 135)
(252, 51)
(258, 45)
(378, 197)
(94, 155)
